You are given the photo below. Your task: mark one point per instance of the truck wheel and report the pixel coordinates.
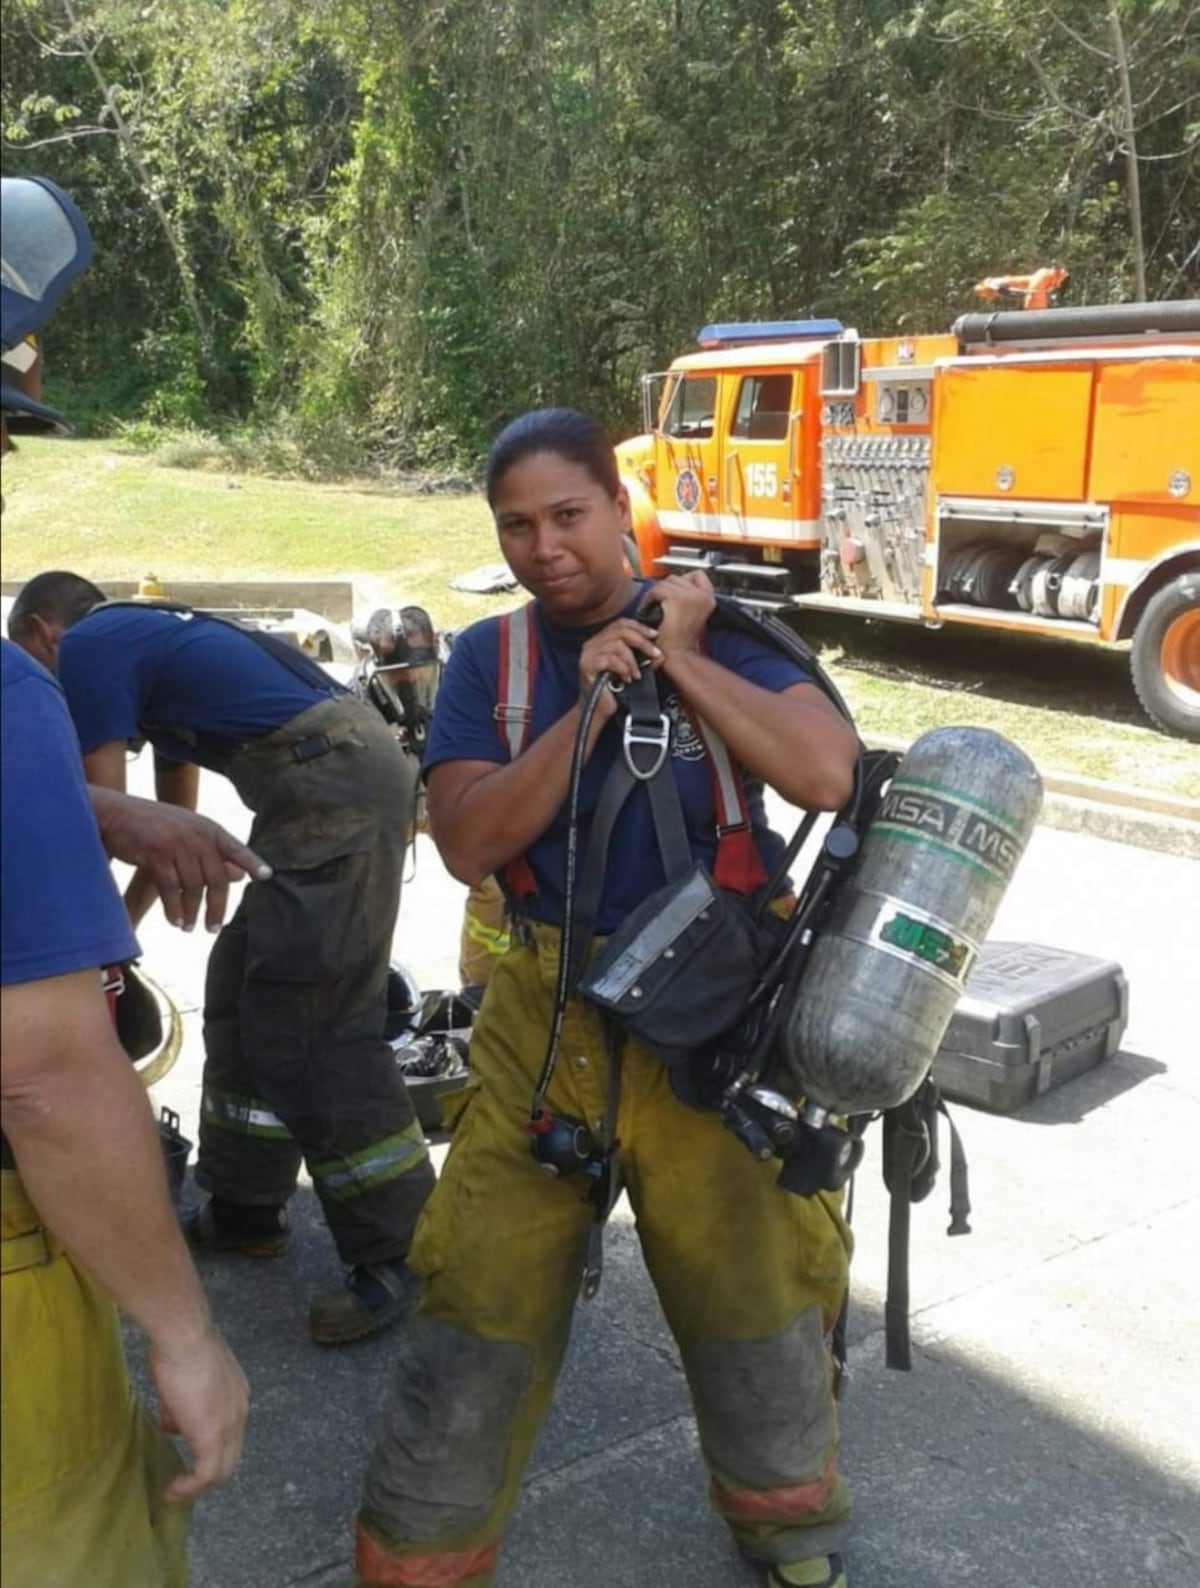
(1166, 657)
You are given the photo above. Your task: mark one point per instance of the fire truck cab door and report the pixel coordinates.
(688, 455)
(759, 462)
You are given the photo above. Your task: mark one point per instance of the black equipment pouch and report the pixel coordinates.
(680, 970)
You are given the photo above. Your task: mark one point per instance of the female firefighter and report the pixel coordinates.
(750, 1278)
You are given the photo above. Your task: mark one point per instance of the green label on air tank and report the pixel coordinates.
(927, 942)
(937, 947)
(952, 823)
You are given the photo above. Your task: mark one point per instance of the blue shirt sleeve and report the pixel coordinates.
(59, 906)
(464, 714)
(755, 662)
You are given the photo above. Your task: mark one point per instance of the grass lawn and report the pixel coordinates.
(116, 514)
(112, 513)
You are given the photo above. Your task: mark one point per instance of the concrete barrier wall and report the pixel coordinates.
(332, 598)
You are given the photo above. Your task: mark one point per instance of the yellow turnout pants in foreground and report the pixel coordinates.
(84, 1468)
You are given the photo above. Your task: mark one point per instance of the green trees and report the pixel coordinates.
(385, 226)
(1020, 111)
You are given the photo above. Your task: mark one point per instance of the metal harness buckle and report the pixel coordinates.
(638, 734)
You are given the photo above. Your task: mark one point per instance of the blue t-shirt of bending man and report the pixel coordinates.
(189, 684)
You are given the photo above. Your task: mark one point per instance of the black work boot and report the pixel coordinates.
(373, 1296)
(220, 1226)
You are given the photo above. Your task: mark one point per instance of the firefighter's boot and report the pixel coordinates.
(219, 1226)
(373, 1296)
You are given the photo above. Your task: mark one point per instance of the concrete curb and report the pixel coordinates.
(1148, 829)
(1124, 794)
(1116, 811)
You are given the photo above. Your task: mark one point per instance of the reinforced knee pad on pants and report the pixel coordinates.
(765, 1406)
(439, 1463)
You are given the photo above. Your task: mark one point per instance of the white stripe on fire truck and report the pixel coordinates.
(1123, 570)
(741, 528)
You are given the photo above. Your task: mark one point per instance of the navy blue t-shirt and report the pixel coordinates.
(59, 907)
(139, 671)
(464, 729)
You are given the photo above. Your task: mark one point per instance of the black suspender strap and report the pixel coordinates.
(644, 722)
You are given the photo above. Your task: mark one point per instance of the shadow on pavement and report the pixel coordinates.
(960, 1477)
(1096, 1089)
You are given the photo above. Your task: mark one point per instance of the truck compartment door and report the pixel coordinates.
(1016, 432)
(1146, 442)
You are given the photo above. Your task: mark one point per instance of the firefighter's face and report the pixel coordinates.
(560, 532)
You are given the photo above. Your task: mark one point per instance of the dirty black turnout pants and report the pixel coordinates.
(296, 994)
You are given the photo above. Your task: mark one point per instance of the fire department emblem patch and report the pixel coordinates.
(687, 490)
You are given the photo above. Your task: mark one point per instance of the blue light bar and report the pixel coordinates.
(740, 332)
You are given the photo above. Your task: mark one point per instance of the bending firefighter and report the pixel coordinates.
(296, 992)
(750, 1279)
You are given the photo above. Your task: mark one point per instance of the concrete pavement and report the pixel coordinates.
(1049, 1434)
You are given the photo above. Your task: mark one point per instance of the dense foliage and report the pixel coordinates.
(378, 228)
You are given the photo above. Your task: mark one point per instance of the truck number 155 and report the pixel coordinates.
(761, 479)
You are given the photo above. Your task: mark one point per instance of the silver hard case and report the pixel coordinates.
(1030, 1018)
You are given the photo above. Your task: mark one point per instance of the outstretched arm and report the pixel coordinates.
(181, 857)
(176, 783)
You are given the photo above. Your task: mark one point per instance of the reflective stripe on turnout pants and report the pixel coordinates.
(749, 1277)
(296, 992)
(83, 1467)
(485, 933)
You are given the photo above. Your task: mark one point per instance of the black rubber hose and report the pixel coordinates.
(1172, 318)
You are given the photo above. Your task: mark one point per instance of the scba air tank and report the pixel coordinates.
(884, 976)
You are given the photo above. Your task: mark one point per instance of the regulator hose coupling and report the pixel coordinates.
(563, 1146)
(817, 1154)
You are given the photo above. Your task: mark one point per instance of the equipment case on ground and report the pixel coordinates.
(1030, 1018)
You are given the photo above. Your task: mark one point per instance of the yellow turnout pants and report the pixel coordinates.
(83, 1466)
(749, 1277)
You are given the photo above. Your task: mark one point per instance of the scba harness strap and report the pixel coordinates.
(737, 865)
(561, 1145)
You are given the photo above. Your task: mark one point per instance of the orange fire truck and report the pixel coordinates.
(1036, 471)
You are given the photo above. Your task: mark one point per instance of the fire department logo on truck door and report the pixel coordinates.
(687, 490)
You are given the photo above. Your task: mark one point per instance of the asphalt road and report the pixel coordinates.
(1049, 1434)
